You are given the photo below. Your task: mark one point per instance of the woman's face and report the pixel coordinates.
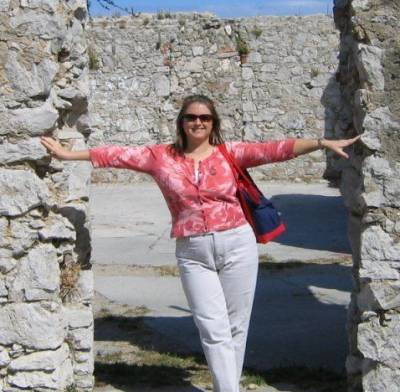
(197, 123)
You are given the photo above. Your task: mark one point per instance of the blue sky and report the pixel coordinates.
(224, 8)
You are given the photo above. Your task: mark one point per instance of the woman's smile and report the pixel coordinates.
(197, 123)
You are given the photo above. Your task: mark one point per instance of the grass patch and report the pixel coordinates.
(141, 364)
(94, 63)
(320, 380)
(242, 46)
(268, 263)
(69, 277)
(167, 270)
(152, 368)
(250, 378)
(314, 72)
(257, 31)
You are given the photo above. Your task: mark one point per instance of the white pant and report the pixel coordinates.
(218, 273)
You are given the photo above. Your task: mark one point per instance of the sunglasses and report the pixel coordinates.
(202, 117)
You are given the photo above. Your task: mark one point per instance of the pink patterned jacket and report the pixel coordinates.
(202, 206)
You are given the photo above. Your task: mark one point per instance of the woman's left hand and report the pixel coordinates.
(337, 146)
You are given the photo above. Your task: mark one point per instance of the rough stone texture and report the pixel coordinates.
(43, 87)
(370, 89)
(143, 67)
(34, 325)
(29, 149)
(37, 276)
(21, 191)
(43, 360)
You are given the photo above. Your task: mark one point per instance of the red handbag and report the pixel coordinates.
(262, 216)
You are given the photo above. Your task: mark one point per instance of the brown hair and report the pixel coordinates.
(215, 136)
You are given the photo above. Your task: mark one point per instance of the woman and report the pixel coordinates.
(215, 247)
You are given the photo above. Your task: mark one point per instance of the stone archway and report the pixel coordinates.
(46, 342)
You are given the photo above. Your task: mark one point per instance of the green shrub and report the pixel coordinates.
(257, 31)
(94, 63)
(314, 72)
(241, 46)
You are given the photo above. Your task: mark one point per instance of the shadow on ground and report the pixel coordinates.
(292, 326)
(312, 222)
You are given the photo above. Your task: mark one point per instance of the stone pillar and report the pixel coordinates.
(369, 75)
(46, 285)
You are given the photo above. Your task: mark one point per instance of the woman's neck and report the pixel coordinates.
(200, 148)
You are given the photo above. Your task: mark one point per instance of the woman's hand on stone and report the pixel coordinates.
(337, 146)
(54, 148)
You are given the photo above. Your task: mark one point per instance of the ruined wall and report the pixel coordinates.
(46, 285)
(369, 73)
(143, 66)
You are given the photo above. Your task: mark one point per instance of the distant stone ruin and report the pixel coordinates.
(271, 77)
(285, 86)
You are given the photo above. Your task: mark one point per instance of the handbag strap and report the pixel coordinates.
(237, 170)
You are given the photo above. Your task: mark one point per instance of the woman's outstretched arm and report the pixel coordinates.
(305, 146)
(59, 152)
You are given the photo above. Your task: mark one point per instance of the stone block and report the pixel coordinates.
(292, 121)
(74, 181)
(377, 245)
(369, 64)
(33, 121)
(7, 262)
(162, 86)
(21, 235)
(4, 5)
(43, 360)
(79, 316)
(361, 5)
(37, 277)
(255, 57)
(392, 191)
(376, 270)
(85, 286)
(58, 380)
(57, 227)
(197, 50)
(249, 107)
(35, 325)
(377, 295)
(381, 378)
(81, 338)
(3, 287)
(380, 343)
(84, 382)
(29, 150)
(33, 82)
(4, 357)
(21, 191)
(247, 73)
(195, 65)
(85, 367)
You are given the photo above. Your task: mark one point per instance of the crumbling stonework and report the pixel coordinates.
(285, 87)
(289, 86)
(369, 75)
(46, 285)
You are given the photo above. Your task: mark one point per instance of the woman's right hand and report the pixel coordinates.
(55, 148)
(58, 151)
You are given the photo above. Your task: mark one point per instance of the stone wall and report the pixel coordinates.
(369, 75)
(46, 285)
(143, 66)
